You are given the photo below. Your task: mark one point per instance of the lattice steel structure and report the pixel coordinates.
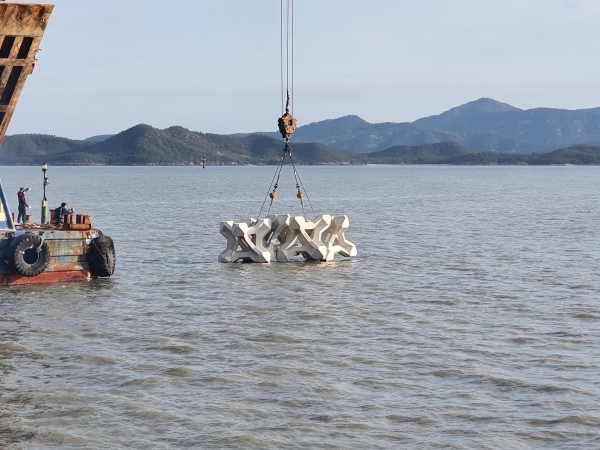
(22, 26)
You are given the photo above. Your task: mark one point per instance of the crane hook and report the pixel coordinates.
(287, 123)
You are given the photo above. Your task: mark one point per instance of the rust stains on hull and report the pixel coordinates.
(70, 256)
(14, 279)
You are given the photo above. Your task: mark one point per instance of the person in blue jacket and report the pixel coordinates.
(23, 205)
(61, 212)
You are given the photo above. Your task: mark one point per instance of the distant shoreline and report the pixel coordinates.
(143, 145)
(309, 165)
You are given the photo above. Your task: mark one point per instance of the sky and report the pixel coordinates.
(214, 65)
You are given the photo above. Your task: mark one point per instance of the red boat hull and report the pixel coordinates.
(14, 279)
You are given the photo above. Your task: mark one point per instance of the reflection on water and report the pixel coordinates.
(469, 318)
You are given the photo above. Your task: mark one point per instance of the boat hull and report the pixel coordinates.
(14, 279)
(70, 257)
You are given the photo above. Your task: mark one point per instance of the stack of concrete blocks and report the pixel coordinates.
(282, 237)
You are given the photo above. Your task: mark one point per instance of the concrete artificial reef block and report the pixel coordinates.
(282, 237)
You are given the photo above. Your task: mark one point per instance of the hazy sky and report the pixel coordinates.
(213, 65)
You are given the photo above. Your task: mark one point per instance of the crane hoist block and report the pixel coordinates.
(287, 125)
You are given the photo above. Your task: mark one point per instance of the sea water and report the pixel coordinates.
(470, 318)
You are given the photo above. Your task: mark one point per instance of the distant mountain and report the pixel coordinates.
(482, 125)
(454, 154)
(461, 118)
(485, 126)
(351, 133)
(576, 155)
(421, 154)
(545, 127)
(145, 145)
(29, 148)
(329, 130)
(99, 138)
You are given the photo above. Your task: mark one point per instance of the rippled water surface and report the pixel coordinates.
(470, 318)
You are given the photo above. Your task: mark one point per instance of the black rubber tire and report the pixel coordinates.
(103, 257)
(26, 257)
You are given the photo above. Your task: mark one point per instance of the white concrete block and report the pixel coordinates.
(246, 240)
(282, 237)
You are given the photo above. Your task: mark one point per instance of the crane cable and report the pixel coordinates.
(287, 123)
(289, 44)
(281, 47)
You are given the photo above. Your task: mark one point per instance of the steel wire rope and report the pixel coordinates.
(287, 49)
(292, 58)
(279, 166)
(301, 184)
(271, 185)
(281, 56)
(297, 178)
(299, 193)
(277, 183)
(296, 174)
(289, 32)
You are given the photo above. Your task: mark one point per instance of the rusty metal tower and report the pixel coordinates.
(22, 26)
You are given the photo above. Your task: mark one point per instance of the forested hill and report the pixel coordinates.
(453, 154)
(145, 145)
(484, 125)
(576, 155)
(481, 125)
(351, 133)
(33, 148)
(548, 127)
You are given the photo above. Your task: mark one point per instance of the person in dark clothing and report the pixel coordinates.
(61, 212)
(23, 205)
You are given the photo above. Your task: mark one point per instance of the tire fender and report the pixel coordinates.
(103, 257)
(28, 255)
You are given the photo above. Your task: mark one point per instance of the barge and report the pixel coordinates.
(47, 252)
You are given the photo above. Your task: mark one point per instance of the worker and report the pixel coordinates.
(23, 205)
(61, 212)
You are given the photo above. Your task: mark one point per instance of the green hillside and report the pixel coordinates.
(421, 154)
(576, 155)
(497, 129)
(484, 125)
(351, 133)
(29, 148)
(145, 145)
(547, 128)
